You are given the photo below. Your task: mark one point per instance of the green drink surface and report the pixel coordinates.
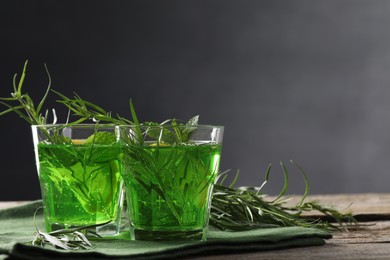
(168, 187)
(80, 184)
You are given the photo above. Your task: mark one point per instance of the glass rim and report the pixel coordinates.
(171, 126)
(126, 126)
(75, 125)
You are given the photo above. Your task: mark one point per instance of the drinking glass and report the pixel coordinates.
(79, 176)
(169, 173)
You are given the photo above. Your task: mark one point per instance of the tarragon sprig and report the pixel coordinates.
(86, 110)
(67, 239)
(64, 240)
(23, 105)
(245, 208)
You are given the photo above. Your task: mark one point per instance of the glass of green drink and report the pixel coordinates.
(79, 175)
(169, 173)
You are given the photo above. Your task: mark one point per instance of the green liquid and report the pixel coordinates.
(168, 189)
(80, 184)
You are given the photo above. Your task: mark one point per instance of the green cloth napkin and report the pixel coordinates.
(17, 228)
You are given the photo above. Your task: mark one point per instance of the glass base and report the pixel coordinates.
(195, 235)
(110, 229)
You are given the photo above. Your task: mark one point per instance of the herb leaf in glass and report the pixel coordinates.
(79, 176)
(169, 172)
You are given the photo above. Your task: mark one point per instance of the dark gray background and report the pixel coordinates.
(303, 80)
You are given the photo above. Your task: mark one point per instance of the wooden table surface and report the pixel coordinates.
(370, 241)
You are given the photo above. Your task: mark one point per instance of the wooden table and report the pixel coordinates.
(370, 241)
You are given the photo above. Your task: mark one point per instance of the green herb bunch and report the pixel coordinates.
(245, 208)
